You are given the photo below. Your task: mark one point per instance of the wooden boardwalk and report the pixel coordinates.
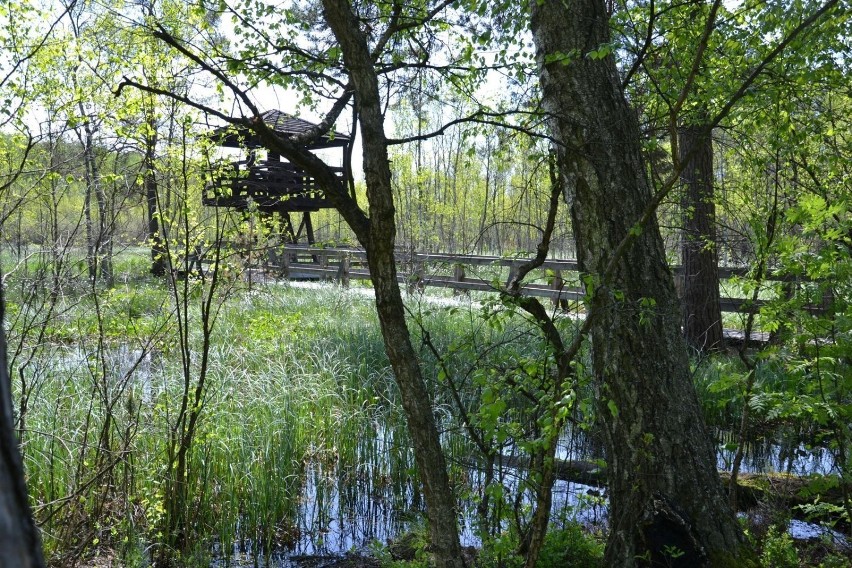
(416, 271)
(419, 270)
(459, 272)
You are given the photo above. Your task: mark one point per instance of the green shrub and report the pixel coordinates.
(499, 551)
(834, 561)
(778, 550)
(571, 547)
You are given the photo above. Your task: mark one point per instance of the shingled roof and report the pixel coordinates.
(282, 123)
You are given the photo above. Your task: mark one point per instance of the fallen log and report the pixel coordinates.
(786, 489)
(577, 471)
(782, 488)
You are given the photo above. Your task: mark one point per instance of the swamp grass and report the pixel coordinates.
(300, 404)
(296, 377)
(299, 388)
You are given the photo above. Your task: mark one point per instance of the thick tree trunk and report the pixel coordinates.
(379, 245)
(702, 313)
(665, 493)
(20, 546)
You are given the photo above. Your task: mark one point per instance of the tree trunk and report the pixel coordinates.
(158, 251)
(378, 241)
(20, 546)
(665, 494)
(100, 247)
(91, 256)
(702, 313)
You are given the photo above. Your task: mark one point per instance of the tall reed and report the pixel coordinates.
(296, 379)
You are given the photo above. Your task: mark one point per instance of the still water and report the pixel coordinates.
(335, 518)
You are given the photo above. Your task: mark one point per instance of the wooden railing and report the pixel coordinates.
(418, 270)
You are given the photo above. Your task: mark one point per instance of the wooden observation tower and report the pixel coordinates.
(273, 185)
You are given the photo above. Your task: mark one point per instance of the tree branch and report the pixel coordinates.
(32, 53)
(127, 82)
(163, 34)
(556, 187)
(643, 52)
(478, 117)
(770, 57)
(396, 27)
(699, 57)
(650, 210)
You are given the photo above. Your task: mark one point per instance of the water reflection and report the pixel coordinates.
(765, 455)
(345, 508)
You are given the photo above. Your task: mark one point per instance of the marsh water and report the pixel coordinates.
(335, 517)
(369, 499)
(352, 509)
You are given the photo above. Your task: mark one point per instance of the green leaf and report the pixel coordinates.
(613, 408)
(601, 52)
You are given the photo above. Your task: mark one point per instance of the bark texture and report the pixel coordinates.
(20, 545)
(158, 249)
(702, 313)
(378, 241)
(663, 486)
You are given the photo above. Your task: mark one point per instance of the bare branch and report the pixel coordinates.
(163, 34)
(396, 27)
(127, 82)
(643, 52)
(556, 188)
(327, 122)
(479, 117)
(39, 45)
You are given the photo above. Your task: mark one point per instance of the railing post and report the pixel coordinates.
(458, 276)
(556, 284)
(323, 262)
(285, 266)
(343, 271)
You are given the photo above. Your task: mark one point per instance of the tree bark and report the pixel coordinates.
(99, 243)
(664, 489)
(702, 313)
(378, 242)
(20, 545)
(158, 249)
